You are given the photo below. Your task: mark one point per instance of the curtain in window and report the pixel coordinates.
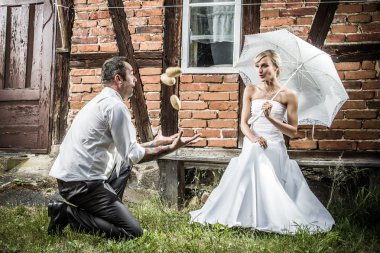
(212, 24)
(222, 19)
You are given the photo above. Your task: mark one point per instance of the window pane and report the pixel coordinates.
(209, 1)
(211, 35)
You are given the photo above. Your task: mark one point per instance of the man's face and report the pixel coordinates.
(128, 84)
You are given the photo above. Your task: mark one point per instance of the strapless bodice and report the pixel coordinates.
(262, 126)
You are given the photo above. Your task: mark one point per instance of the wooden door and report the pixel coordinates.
(26, 68)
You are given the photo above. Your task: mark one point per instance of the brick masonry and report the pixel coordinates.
(210, 103)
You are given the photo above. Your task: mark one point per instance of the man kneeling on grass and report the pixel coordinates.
(96, 157)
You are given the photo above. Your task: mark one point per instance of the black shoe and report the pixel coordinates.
(58, 217)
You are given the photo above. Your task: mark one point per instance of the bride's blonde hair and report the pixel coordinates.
(274, 56)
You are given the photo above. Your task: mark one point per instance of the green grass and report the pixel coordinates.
(23, 229)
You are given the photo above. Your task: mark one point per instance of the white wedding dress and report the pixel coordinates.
(264, 189)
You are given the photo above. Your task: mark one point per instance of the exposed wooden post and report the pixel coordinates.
(172, 174)
(62, 61)
(62, 21)
(250, 25)
(172, 180)
(251, 17)
(172, 55)
(124, 43)
(322, 22)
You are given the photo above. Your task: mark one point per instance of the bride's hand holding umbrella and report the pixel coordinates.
(267, 107)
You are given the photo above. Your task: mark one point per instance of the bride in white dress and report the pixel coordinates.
(262, 188)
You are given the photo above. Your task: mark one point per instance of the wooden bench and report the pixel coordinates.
(183, 171)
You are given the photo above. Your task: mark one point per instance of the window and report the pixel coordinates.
(210, 35)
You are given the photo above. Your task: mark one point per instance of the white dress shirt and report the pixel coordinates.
(101, 135)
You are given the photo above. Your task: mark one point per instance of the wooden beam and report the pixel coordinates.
(89, 60)
(357, 52)
(62, 22)
(303, 157)
(149, 59)
(47, 78)
(172, 178)
(92, 56)
(148, 55)
(250, 25)
(105, 56)
(251, 17)
(96, 60)
(124, 43)
(172, 55)
(60, 102)
(152, 63)
(322, 22)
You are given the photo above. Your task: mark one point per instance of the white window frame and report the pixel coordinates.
(186, 39)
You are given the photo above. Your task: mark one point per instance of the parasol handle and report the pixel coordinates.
(253, 119)
(287, 81)
(295, 71)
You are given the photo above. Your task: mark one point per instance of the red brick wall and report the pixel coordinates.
(93, 32)
(210, 102)
(356, 126)
(210, 105)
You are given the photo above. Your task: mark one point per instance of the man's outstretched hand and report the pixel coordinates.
(164, 140)
(173, 143)
(180, 142)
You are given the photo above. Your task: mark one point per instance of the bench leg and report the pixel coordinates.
(172, 182)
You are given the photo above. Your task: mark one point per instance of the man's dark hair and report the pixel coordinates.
(112, 67)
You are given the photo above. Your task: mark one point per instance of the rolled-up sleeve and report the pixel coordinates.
(124, 134)
(136, 154)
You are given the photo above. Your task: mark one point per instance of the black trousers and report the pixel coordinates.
(99, 206)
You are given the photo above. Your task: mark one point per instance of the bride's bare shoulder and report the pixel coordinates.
(251, 88)
(290, 94)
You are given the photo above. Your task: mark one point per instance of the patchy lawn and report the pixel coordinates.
(23, 229)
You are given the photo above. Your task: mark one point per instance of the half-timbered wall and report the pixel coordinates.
(95, 40)
(210, 103)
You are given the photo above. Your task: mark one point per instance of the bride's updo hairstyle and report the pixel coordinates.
(274, 56)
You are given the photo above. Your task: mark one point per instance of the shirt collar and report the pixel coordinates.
(112, 92)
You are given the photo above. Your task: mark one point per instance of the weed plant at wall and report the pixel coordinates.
(355, 193)
(344, 182)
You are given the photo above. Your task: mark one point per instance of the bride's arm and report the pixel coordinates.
(246, 114)
(290, 128)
